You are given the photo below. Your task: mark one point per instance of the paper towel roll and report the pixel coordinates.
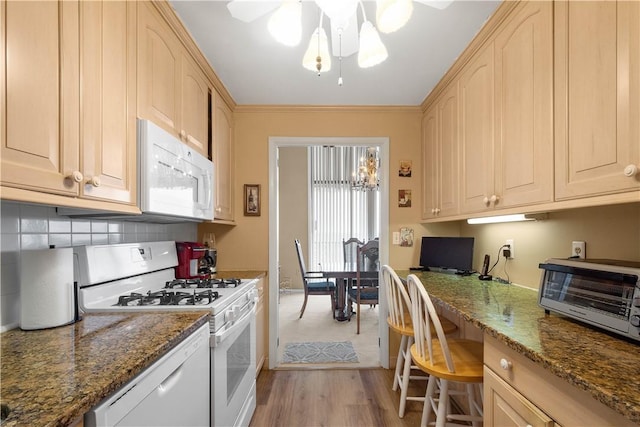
(46, 288)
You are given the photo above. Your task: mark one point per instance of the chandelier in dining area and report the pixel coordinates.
(365, 178)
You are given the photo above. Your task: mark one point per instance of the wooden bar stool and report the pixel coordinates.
(399, 320)
(445, 360)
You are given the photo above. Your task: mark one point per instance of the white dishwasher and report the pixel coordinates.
(174, 391)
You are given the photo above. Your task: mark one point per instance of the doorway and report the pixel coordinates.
(275, 146)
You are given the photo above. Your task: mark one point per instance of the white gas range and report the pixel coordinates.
(141, 276)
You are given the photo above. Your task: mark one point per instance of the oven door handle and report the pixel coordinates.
(218, 337)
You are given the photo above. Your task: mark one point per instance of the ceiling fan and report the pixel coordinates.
(345, 39)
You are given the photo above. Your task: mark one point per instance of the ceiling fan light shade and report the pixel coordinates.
(372, 51)
(285, 25)
(391, 15)
(309, 60)
(339, 11)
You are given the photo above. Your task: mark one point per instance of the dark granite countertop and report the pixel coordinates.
(52, 377)
(605, 365)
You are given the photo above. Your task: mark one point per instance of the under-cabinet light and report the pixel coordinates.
(507, 218)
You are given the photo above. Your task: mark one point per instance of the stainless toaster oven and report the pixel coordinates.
(601, 292)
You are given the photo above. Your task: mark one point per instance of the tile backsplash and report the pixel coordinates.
(24, 226)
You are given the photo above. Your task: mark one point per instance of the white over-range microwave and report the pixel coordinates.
(175, 182)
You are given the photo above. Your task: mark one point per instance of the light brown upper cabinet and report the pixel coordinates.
(477, 106)
(440, 156)
(40, 140)
(223, 157)
(172, 89)
(108, 97)
(524, 106)
(506, 100)
(69, 98)
(597, 110)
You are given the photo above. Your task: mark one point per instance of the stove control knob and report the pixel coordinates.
(636, 301)
(635, 320)
(232, 314)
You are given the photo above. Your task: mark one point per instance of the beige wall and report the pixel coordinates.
(293, 211)
(245, 246)
(610, 231)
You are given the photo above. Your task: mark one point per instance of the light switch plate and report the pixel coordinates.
(396, 237)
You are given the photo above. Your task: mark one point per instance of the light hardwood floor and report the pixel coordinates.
(332, 397)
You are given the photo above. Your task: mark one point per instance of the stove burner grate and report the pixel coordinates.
(203, 283)
(163, 297)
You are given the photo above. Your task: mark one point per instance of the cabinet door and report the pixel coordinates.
(449, 159)
(223, 159)
(108, 52)
(40, 95)
(524, 106)
(597, 109)
(194, 106)
(158, 69)
(430, 164)
(505, 407)
(476, 132)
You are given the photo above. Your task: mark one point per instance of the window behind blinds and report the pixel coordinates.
(337, 211)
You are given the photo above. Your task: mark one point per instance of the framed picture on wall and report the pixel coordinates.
(252, 200)
(405, 168)
(404, 198)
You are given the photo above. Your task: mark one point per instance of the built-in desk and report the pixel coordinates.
(593, 362)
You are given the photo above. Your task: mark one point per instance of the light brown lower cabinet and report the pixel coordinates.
(504, 406)
(518, 392)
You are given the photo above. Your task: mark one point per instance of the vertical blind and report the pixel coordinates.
(337, 211)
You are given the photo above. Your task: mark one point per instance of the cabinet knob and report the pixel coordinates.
(437, 211)
(494, 199)
(505, 364)
(76, 176)
(94, 181)
(631, 171)
(485, 201)
(182, 134)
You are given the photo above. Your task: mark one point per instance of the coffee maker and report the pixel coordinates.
(209, 261)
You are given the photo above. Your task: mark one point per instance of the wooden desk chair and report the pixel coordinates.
(445, 360)
(314, 284)
(366, 290)
(399, 320)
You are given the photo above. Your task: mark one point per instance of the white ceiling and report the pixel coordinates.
(256, 70)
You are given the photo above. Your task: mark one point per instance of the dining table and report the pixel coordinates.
(345, 278)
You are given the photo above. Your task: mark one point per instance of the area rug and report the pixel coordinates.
(319, 352)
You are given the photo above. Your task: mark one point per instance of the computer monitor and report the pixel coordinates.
(449, 253)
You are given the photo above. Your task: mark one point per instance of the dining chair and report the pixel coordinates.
(445, 360)
(314, 284)
(350, 250)
(399, 321)
(365, 291)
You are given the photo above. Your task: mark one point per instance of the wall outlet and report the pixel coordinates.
(511, 248)
(396, 238)
(578, 249)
